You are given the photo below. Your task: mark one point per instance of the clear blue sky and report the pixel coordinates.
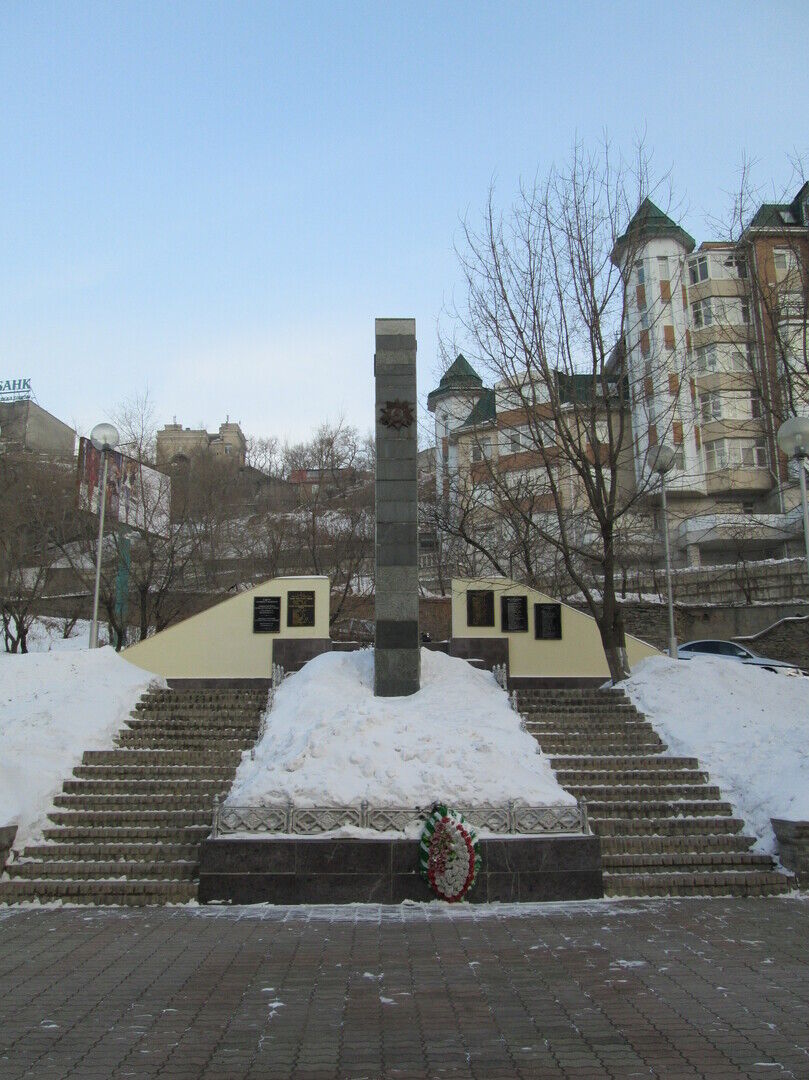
(216, 199)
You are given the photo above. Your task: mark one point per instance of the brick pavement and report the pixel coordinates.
(668, 988)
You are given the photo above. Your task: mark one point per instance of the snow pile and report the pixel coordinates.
(54, 706)
(749, 728)
(329, 741)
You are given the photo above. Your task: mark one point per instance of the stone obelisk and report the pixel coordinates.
(396, 649)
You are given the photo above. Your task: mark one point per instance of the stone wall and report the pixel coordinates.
(775, 581)
(788, 641)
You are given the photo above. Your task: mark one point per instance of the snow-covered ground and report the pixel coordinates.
(329, 741)
(47, 635)
(749, 728)
(53, 706)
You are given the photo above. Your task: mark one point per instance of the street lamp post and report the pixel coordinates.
(793, 439)
(104, 437)
(660, 459)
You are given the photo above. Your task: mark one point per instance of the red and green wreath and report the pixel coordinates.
(448, 854)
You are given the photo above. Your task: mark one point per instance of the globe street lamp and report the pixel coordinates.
(104, 437)
(659, 460)
(793, 439)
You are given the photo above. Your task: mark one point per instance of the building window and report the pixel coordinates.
(546, 432)
(513, 442)
(640, 273)
(663, 267)
(745, 310)
(482, 450)
(735, 454)
(710, 406)
(698, 270)
(707, 360)
(736, 266)
(702, 313)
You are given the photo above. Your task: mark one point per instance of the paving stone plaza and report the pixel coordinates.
(666, 988)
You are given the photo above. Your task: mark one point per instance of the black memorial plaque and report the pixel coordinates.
(514, 614)
(548, 622)
(266, 614)
(480, 607)
(301, 609)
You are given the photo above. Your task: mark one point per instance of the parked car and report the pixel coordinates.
(731, 650)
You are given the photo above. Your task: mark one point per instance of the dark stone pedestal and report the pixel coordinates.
(7, 834)
(793, 847)
(310, 870)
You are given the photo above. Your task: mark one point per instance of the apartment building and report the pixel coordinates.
(501, 457)
(710, 333)
(715, 355)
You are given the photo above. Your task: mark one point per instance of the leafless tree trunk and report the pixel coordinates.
(545, 316)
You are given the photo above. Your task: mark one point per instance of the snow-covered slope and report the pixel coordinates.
(329, 741)
(53, 706)
(749, 728)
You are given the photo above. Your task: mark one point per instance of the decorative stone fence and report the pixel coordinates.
(286, 818)
(793, 847)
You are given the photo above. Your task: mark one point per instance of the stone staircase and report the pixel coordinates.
(128, 824)
(665, 830)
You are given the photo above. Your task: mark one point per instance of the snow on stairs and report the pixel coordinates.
(665, 830)
(128, 825)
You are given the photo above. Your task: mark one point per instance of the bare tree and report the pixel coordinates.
(266, 454)
(546, 315)
(35, 507)
(332, 527)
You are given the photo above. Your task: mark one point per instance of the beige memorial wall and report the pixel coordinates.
(234, 639)
(546, 639)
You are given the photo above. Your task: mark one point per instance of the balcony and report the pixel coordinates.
(751, 531)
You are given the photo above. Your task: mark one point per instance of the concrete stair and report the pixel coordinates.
(664, 829)
(127, 827)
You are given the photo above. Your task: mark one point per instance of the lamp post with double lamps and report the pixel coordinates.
(660, 460)
(104, 437)
(793, 439)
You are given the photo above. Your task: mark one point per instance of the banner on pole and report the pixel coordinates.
(138, 495)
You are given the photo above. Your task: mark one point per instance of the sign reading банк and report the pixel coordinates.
(10, 389)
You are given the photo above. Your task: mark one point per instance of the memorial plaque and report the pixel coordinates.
(480, 607)
(514, 614)
(266, 614)
(301, 609)
(548, 622)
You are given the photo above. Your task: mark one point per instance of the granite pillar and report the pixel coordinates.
(396, 648)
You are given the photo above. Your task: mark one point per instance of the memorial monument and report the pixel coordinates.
(396, 645)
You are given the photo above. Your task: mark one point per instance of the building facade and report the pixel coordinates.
(24, 425)
(176, 444)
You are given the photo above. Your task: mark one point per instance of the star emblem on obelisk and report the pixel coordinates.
(397, 414)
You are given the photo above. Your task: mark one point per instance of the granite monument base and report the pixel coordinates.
(315, 870)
